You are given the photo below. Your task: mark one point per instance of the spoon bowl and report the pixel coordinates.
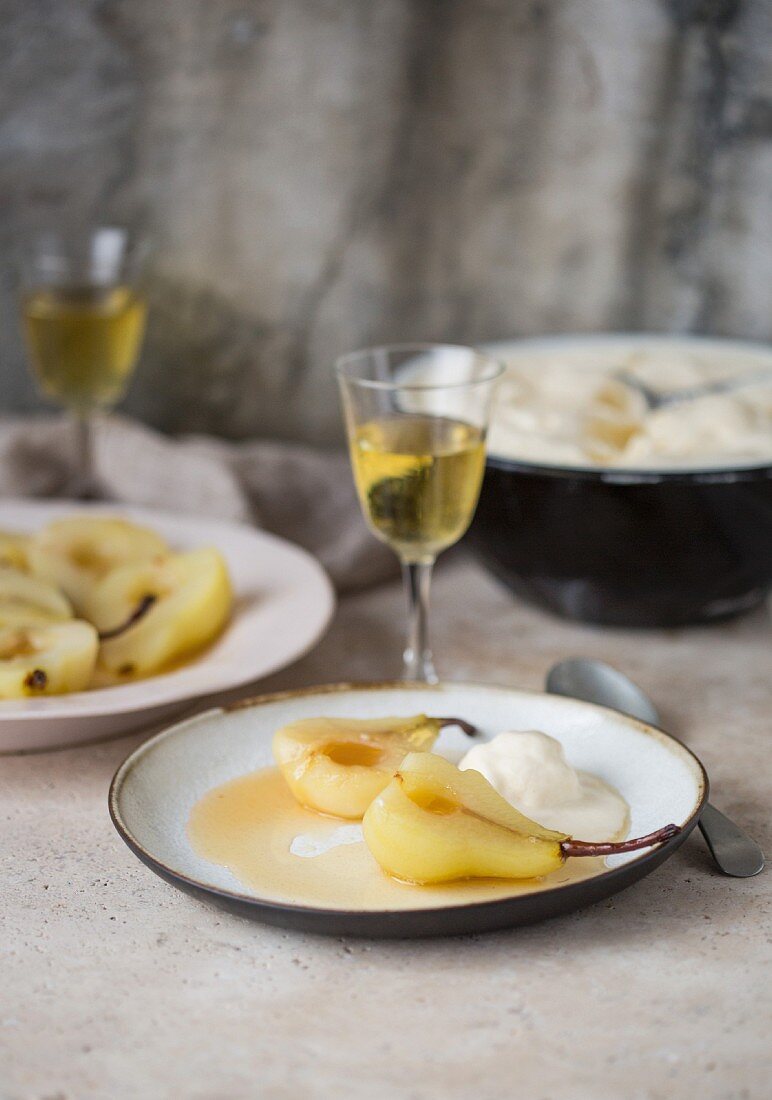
(597, 682)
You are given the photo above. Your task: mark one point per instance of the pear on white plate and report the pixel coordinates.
(14, 548)
(47, 660)
(77, 552)
(26, 600)
(153, 614)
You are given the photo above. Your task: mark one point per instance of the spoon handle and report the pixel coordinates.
(723, 385)
(657, 400)
(733, 850)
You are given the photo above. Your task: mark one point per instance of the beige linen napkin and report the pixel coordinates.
(304, 494)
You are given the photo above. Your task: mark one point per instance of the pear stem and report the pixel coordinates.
(467, 727)
(587, 848)
(138, 613)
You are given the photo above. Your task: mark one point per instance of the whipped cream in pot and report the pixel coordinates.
(561, 405)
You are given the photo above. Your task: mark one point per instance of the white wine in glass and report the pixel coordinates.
(417, 417)
(84, 319)
(83, 342)
(418, 478)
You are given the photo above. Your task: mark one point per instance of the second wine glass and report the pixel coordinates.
(417, 416)
(84, 319)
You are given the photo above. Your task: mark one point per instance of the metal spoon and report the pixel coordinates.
(655, 399)
(733, 850)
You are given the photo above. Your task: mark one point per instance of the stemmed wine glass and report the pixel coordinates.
(417, 416)
(84, 318)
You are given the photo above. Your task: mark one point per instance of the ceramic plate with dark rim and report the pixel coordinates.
(156, 788)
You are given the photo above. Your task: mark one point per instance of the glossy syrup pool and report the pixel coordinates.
(281, 852)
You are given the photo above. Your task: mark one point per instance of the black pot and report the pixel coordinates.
(628, 548)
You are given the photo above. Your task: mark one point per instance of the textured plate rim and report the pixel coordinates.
(654, 855)
(100, 702)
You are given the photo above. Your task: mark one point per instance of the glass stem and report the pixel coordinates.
(418, 664)
(83, 484)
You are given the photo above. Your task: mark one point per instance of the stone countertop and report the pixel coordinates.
(115, 985)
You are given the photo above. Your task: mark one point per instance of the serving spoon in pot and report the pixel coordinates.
(733, 850)
(656, 399)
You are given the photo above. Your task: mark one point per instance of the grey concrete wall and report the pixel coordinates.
(321, 174)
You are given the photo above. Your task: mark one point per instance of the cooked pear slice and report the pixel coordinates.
(13, 549)
(433, 823)
(28, 601)
(154, 613)
(337, 766)
(47, 660)
(77, 552)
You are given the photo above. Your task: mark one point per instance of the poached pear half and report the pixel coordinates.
(337, 766)
(434, 823)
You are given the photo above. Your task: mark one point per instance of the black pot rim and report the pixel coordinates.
(606, 475)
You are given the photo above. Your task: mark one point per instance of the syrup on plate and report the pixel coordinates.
(281, 852)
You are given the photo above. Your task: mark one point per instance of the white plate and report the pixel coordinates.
(284, 602)
(155, 789)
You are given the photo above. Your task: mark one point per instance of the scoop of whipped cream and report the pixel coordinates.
(529, 769)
